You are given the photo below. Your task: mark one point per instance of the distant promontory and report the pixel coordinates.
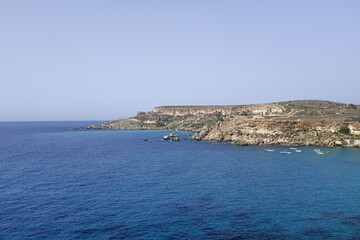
(301, 123)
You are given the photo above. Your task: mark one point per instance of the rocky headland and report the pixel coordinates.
(301, 123)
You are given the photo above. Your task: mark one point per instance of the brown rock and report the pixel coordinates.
(204, 131)
(338, 143)
(195, 137)
(241, 143)
(252, 142)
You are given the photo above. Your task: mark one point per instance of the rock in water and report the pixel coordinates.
(145, 139)
(166, 138)
(195, 137)
(173, 135)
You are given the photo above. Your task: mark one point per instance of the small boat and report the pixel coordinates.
(285, 152)
(320, 153)
(293, 148)
(269, 150)
(298, 150)
(317, 150)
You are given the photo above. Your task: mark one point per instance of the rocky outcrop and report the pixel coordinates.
(172, 136)
(307, 122)
(79, 128)
(353, 142)
(195, 137)
(194, 118)
(244, 131)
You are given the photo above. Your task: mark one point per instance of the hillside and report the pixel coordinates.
(270, 123)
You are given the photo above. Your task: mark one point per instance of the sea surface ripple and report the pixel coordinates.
(58, 183)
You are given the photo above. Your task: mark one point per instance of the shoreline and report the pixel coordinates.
(299, 123)
(285, 144)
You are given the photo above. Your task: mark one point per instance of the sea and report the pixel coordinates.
(59, 183)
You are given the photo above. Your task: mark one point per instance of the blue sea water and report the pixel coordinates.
(58, 183)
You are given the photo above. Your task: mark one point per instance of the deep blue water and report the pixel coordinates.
(58, 183)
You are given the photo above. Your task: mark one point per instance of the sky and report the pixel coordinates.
(104, 60)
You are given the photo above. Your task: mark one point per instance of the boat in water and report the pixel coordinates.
(285, 152)
(269, 150)
(298, 150)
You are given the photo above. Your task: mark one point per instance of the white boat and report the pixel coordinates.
(269, 150)
(298, 150)
(293, 148)
(317, 150)
(285, 152)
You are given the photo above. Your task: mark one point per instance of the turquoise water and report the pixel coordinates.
(58, 183)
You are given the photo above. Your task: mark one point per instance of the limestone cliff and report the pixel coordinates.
(306, 122)
(247, 131)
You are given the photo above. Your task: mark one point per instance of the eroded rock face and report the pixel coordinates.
(195, 137)
(204, 131)
(353, 142)
(339, 143)
(242, 131)
(268, 109)
(195, 118)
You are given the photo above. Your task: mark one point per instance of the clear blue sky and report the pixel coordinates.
(88, 60)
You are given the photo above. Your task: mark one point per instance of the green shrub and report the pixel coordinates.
(219, 116)
(351, 106)
(344, 130)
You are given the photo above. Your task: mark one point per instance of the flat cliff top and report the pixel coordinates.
(202, 106)
(304, 109)
(194, 117)
(295, 103)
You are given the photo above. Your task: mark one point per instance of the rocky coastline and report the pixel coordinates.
(297, 123)
(325, 133)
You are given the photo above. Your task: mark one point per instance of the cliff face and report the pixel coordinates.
(256, 110)
(307, 122)
(246, 131)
